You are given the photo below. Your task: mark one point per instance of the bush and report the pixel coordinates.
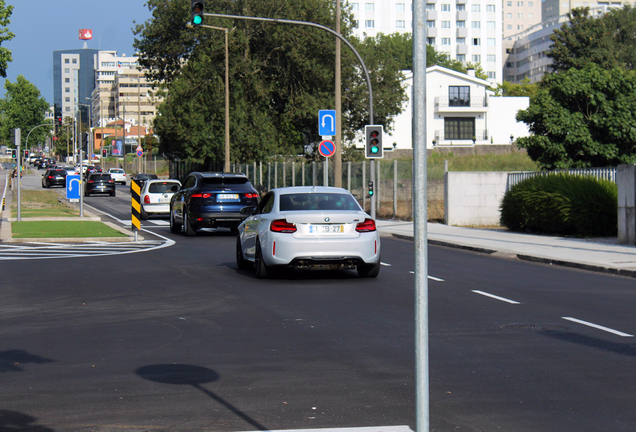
(562, 204)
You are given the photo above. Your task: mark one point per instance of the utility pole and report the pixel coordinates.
(337, 159)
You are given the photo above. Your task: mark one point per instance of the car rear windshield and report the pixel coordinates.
(100, 177)
(161, 187)
(318, 201)
(58, 172)
(117, 171)
(234, 183)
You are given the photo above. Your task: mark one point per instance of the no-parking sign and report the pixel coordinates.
(327, 148)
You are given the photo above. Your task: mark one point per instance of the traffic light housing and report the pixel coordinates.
(196, 11)
(26, 154)
(104, 154)
(370, 189)
(373, 144)
(14, 153)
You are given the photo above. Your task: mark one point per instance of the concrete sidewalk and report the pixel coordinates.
(598, 254)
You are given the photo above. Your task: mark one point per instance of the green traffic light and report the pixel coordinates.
(370, 192)
(374, 149)
(198, 19)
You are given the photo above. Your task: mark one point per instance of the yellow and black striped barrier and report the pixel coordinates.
(135, 193)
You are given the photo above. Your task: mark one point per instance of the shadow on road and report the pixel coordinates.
(12, 360)
(13, 421)
(195, 376)
(618, 348)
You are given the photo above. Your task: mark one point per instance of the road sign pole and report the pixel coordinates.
(81, 185)
(326, 176)
(18, 140)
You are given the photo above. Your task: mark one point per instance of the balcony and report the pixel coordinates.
(462, 15)
(462, 32)
(431, 15)
(462, 49)
(475, 104)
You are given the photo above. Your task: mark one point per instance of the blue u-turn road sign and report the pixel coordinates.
(327, 122)
(73, 187)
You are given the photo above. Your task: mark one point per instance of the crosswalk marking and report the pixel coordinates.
(65, 250)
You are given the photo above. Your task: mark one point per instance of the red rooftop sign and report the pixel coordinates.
(85, 34)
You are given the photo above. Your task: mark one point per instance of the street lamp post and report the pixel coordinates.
(226, 165)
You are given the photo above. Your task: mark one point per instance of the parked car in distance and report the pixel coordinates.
(54, 177)
(155, 197)
(308, 228)
(99, 183)
(69, 170)
(211, 200)
(118, 175)
(142, 178)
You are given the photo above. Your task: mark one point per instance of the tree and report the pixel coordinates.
(608, 41)
(582, 118)
(23, 108)
(280, 76)
(5, 35)
(524, 88)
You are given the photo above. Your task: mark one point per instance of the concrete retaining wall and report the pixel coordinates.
(473, 198)
(626, 182)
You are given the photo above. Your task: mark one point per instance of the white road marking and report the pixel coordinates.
(596, 326)
(385, 264)
(495, 297)
(431, 277)
(355, 429)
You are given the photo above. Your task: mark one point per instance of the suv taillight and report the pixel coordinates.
(146, 199)
(251, 195)
(282, 226)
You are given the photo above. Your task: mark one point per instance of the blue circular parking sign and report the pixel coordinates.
(327, 148)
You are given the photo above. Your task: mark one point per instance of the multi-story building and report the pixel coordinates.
(470, 32)
(73, 81)
(519, 15)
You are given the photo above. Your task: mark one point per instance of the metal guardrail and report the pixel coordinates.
(599, 173)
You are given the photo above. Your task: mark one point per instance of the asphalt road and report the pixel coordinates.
(179, 339)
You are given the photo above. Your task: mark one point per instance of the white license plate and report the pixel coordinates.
(222, 197)
(318, 229)
(164, 200)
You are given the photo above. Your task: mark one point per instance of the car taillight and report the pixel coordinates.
(201, 195)
(111, 181)
(50, 177)
(282, 226)
(90, 181)
(146, 199)
(367, 226)
(251, 195)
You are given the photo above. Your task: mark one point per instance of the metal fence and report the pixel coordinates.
(599, 173)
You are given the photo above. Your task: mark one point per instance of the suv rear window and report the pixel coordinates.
(219, 181)
(58, 172)
(100, 177)
(161, 187)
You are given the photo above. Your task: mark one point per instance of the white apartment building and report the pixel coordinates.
(121, 91)
(468, 31)
(519, 15)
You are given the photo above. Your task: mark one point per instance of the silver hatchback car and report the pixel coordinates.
(308, 228)
(155, 197)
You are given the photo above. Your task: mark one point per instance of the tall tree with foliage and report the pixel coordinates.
(582, 118)
(5, 35)
(609, 40)
(23, 108)
(280, 76)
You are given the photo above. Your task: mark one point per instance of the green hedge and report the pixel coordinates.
(562, 204)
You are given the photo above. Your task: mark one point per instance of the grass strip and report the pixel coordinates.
(41, 203)
(62, 229)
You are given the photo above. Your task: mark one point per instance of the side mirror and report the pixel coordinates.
(247, 211)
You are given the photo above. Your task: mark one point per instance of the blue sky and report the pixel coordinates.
(43, 26)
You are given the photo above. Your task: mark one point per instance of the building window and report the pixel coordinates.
(461, 41)
(530, 15)
(531, 4)
(475, 24)
(458, 96)
(461, 7)
(67, 70)
(510, 77)
(510, 64)
(445, 24)
(508, 15)
(490, 25)
(74, 61)
(369, 6)
(355, 7)
(430, 23)
(67, 89)
(461, 58)
(461, 24)
(400, 24)
(520, 27)
(430, 6)
(492, 75)
(459, 128)
(476, 41)
(490, 8)
(476, 58)
(369, 24)
(445, 7)
(66, 61)
(400, 7)
(68, 109)
(491, 58)
(67, 80)
(356, 23)
(491, 42)
(445, 41)
(475, 8)
(68, 99)
(430, 40)
(509, 26)
(509, 4)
